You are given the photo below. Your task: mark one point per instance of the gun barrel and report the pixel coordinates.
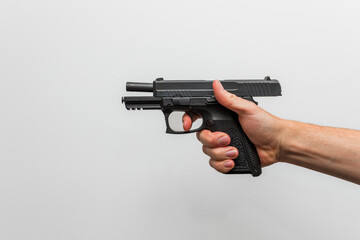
(139, 87)
(142, 102)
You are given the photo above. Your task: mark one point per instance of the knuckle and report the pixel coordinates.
(202, 135)
(217, 154)
(209, 152)
(198, 135)
(211, 163)
(204, 149)
(215, 166)
(210, 140)
(232, 100)
(207, 136)
(220, 169)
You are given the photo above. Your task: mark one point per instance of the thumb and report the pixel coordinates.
(231, 101)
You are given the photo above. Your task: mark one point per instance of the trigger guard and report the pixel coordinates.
(167, 114)
(191, 115)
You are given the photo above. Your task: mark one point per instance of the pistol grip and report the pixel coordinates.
(248, 160)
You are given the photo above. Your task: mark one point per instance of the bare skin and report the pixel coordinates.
(333, 151)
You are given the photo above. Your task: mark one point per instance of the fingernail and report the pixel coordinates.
(231, 153)
(228, 164)
(224, 140)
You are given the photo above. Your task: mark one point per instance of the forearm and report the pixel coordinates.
(334, 151)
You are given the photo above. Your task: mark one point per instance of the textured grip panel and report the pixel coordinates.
(240, 161)
(248, 160)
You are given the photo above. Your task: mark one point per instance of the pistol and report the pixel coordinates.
(197, 97)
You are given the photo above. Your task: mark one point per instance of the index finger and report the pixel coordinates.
(188, 120)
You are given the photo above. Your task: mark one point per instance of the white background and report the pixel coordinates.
(74, 164)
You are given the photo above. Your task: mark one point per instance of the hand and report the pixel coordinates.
(262, 128)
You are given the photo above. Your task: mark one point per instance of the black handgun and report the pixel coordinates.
(197, 97)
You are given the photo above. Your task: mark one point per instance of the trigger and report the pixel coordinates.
(191, 115)
(194, 116)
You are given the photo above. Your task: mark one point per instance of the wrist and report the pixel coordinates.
(286, 133)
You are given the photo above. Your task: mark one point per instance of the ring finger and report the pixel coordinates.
(221, 153)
